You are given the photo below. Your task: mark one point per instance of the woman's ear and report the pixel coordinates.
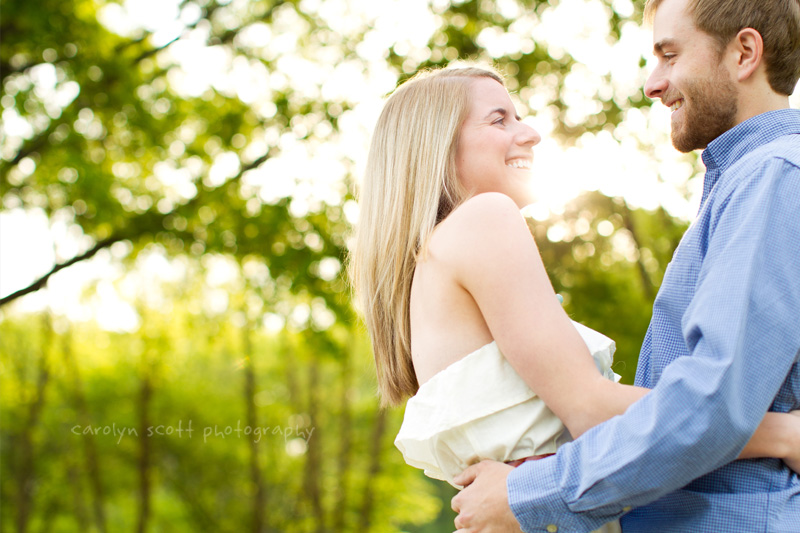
(749, 48)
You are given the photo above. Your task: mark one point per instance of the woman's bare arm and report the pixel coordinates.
(497, 261)
(777, 436)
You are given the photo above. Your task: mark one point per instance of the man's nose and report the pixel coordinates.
(656, 85)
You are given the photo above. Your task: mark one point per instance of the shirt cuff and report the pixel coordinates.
(535, 498)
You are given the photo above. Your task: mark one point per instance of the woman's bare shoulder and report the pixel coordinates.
(484, 208)
(479, 225)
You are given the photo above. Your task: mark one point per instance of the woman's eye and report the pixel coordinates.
(500, 121)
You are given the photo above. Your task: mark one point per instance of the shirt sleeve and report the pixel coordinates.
(741, 330)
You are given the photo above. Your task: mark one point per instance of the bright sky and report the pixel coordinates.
(313, 173)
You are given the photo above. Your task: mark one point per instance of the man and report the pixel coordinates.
(723, 345)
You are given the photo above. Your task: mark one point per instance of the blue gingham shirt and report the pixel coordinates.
(723, 348)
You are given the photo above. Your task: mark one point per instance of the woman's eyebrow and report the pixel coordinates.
(500, 110)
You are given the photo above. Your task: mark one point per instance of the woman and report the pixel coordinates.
(455, 295)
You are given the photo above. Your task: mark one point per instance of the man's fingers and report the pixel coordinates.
(482, 505)
(455, 504)
(466, 477)
(461, 522)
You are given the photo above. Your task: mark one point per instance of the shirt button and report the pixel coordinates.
(552, 528)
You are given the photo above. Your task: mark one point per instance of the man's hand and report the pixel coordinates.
(482, 505)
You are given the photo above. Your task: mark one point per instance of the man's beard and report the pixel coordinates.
(709, 112)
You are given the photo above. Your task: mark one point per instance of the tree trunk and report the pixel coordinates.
(74, 476)
(26, 477)
(374, 470)
(647, 283)
(346, 441)
(89, 450)
(314, 452)
(259, 494)
(291, 375)
(49, 514)
(296, 403)
(145, 395)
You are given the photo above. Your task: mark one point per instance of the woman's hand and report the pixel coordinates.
(778, 436)
(793, 459)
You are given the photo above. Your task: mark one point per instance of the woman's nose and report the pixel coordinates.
(529, 135)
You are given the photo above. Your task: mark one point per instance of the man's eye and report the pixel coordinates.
(500, 121)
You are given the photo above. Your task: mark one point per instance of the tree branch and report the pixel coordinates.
(122, 234)
(41, 282)
(38, 141)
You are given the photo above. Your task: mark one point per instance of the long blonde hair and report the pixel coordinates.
(410, 185)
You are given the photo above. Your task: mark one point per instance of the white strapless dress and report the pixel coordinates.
(480, 408)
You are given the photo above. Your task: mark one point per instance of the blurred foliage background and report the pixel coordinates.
(238, 394)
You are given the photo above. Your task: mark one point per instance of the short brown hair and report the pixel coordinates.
(778, 22)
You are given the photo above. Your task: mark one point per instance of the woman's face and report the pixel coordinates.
(495, 149)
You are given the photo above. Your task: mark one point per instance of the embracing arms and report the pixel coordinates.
(732, 295)
(499, 265)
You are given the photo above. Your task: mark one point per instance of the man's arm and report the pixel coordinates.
(741, 330)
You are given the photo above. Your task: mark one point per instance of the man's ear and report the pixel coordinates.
(749, 48)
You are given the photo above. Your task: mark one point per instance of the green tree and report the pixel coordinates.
(104, 131)
(607, 261)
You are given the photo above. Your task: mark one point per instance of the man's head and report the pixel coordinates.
(778, 22)
(721, 62)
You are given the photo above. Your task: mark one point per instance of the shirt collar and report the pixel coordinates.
(729, 147)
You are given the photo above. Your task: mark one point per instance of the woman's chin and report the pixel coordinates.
(523, 198)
